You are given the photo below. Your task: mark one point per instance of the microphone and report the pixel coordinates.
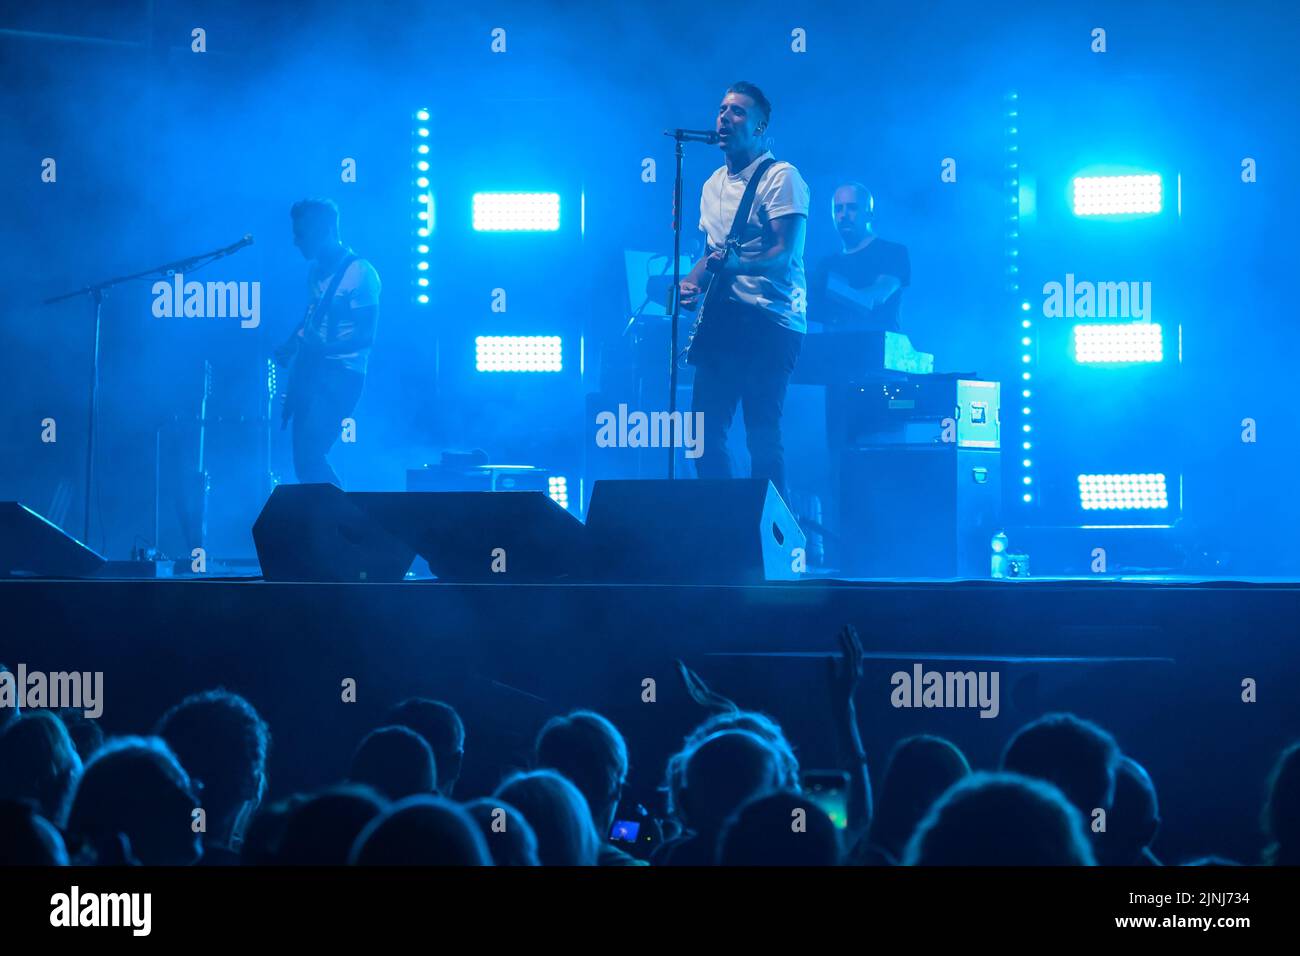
(693, 135)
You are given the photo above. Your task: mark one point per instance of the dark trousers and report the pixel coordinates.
(318, 422)
(748, 363)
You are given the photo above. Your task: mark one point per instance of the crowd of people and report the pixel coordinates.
(194, 792)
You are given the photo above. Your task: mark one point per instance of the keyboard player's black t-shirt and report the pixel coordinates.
(859, 270)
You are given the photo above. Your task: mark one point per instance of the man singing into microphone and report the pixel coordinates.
(754, 319)
(330, 348)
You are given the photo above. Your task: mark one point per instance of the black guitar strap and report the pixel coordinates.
(737, 227)
(747, 201)
(325, 301)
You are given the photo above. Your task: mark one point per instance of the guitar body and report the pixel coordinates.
(303, 371)
(703, 340)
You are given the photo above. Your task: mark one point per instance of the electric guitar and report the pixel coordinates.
(701, 340)
(303, 355)
(303, 362)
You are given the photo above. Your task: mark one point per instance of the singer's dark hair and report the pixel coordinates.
(324, 209)
(746, 88)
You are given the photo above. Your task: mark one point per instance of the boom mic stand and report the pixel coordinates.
(96, 292)
(680, 138)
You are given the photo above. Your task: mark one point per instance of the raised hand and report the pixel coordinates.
(845, 675)
(702, 694)
(846, 670)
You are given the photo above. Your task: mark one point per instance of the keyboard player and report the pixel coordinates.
(860, 288)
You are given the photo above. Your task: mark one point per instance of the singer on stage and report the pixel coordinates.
(753, 312)
(327, 353)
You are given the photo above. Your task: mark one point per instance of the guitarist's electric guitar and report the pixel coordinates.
(303, 366)
(713, 288)
(306, 354)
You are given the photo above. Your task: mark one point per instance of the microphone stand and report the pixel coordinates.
(96, 292)
(680, 142)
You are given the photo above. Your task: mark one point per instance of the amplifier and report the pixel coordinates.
(919, 510)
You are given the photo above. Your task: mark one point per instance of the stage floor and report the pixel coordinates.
(1160, 663)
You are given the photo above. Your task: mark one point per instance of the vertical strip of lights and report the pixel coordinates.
(422, 213)
(1012, 183)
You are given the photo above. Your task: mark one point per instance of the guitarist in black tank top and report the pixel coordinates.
(754, 212)
(328, 352)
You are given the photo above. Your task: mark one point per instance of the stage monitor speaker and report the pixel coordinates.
(30, 546)
(693, 532)
(497, 536)
(925, 511)
(314, 533)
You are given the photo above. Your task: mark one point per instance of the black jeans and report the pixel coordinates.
(748, 364)
(318, 422)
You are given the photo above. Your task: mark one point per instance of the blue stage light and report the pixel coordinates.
(518, 353)
(1123, 492)
(1117, 195)
(516, 212)
(1119, 342)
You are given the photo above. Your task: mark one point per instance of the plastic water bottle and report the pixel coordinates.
(998, 544)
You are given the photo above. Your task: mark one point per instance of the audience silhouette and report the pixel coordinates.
(1063, 795)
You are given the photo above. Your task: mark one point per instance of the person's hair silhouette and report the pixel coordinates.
(719, 774)
(1133, 819)
(919, 770)
(779, 829)
(396, 762)
(421, 831)
(222, 743)
(442, 730)
(509, 836)
(558, 813)
(1000, 819)
(39, 762)
(136, 788)
(1282, 810)
(323, 828)
(1075, 755)
(588, 751)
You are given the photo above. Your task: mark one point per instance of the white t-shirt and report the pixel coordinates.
(781, 192)
(358, 288)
